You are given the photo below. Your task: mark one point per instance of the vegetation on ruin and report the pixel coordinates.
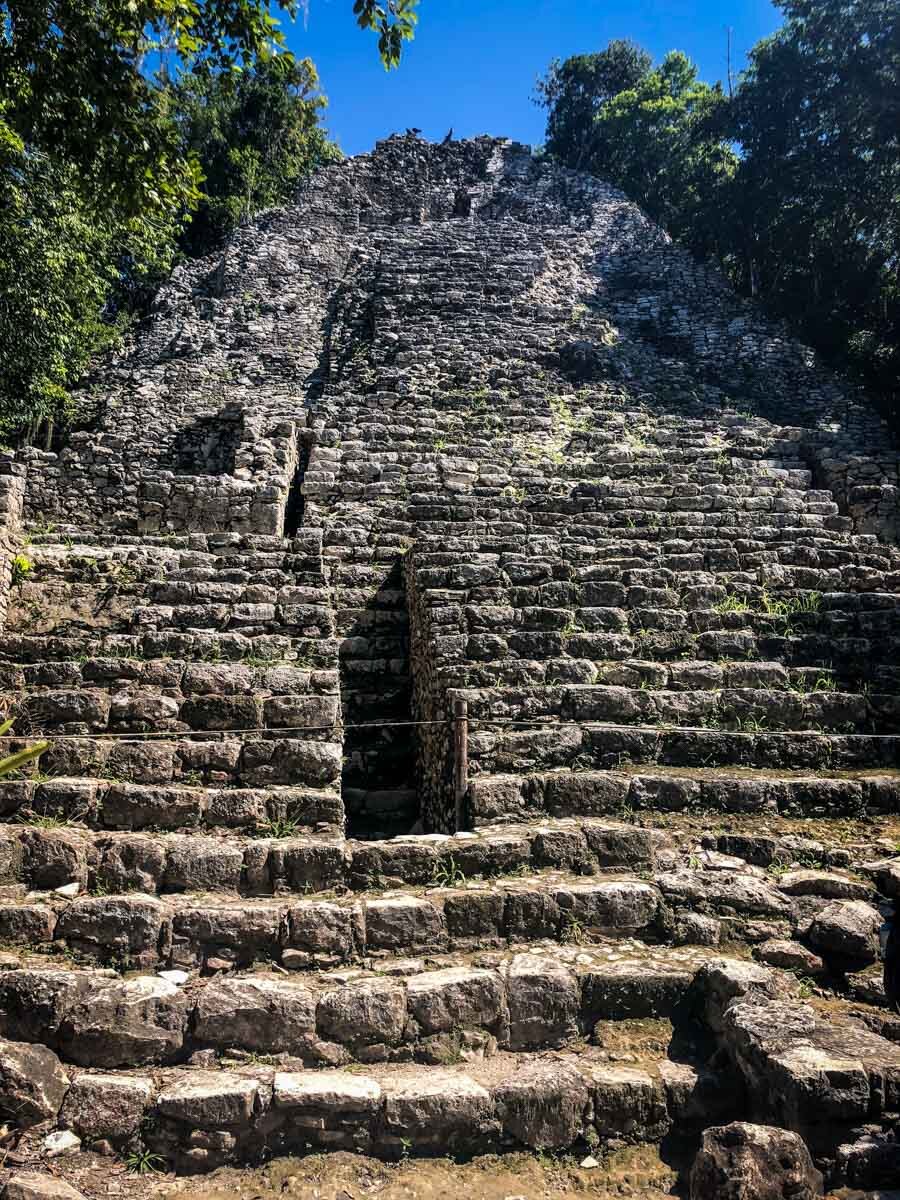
(129, 135)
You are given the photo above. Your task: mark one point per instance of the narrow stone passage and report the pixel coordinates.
(378, 781)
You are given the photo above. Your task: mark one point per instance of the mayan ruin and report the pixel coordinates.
(467, 635)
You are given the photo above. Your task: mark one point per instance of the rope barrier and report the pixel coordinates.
(493, 723)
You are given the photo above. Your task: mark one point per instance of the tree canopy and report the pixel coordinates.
(130, 131)
(792, 185)
(254, 137)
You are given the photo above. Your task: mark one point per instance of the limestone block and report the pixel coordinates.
(456, 998)
(127, 1023)
(403, 923)
(543, 999)
(211, 1100)
(363, 1012)
(753, 1162)
(132, 927)
(33, 1083)
(27, 1185)
(542, 1105)
(267, 1015)
(106, 1106)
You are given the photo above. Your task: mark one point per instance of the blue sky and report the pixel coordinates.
(473, 62)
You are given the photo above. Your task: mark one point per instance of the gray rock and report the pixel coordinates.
(326, 1092)
(845, 932)
(542, 1104)
(259, 1014)
(323, 928)
(780, 952)
(33, 1083)
(236, 933)
(34, 1003)
(210, 1099)
(753, 1162)
(55, 857)
(370, 1011)
(130, 929)
(403, 923)
(127, 1024)
(826, 884)
(437, 1111)
(695, 929)
(106, 1106)
(456, 998)
(543, 999)
(628, 1104)
(198, 864)
(617, 906)
(28, 1186)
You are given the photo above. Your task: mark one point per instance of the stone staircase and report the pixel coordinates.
(208, 670)
(239, 916)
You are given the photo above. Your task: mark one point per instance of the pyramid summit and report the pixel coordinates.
(459, 598)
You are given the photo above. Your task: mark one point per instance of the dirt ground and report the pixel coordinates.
(637, 1172)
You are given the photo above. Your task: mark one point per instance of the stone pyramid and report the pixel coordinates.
(468, 636)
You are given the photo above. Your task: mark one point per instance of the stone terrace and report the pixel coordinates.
(458, 426)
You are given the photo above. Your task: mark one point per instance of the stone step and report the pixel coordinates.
(604, 745)
(512, 1098)
(211, 931)
(657, 610)
(794, 1058)
(723, 708)
(282, 857)
(429, 1010)
(796, 650)
(67, 536)
(141, 707)
(703, 897)
(628, 790)
(639, 510)
(485, 569)
(208, 646)
(175, 677)
(198, 1118)
(732, 593)
(498, 467)
(678, 675)
(89, 552)
(300, 620)
(213, 760)
(131, 573)
(453, 545)
(112, 803)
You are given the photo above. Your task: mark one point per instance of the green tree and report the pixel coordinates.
(74, 78)
(62, 259)
(661, 137)
(816, 203)
(255, 136)
(99, 170)
(793, 187)
(575, 90)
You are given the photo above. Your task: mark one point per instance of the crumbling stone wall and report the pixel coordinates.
(431, 331)
(12, 492)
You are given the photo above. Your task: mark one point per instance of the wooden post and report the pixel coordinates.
(460, 759)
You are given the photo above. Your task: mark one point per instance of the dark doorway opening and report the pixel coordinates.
(293, 511)
(376, 698)
(207, 446)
